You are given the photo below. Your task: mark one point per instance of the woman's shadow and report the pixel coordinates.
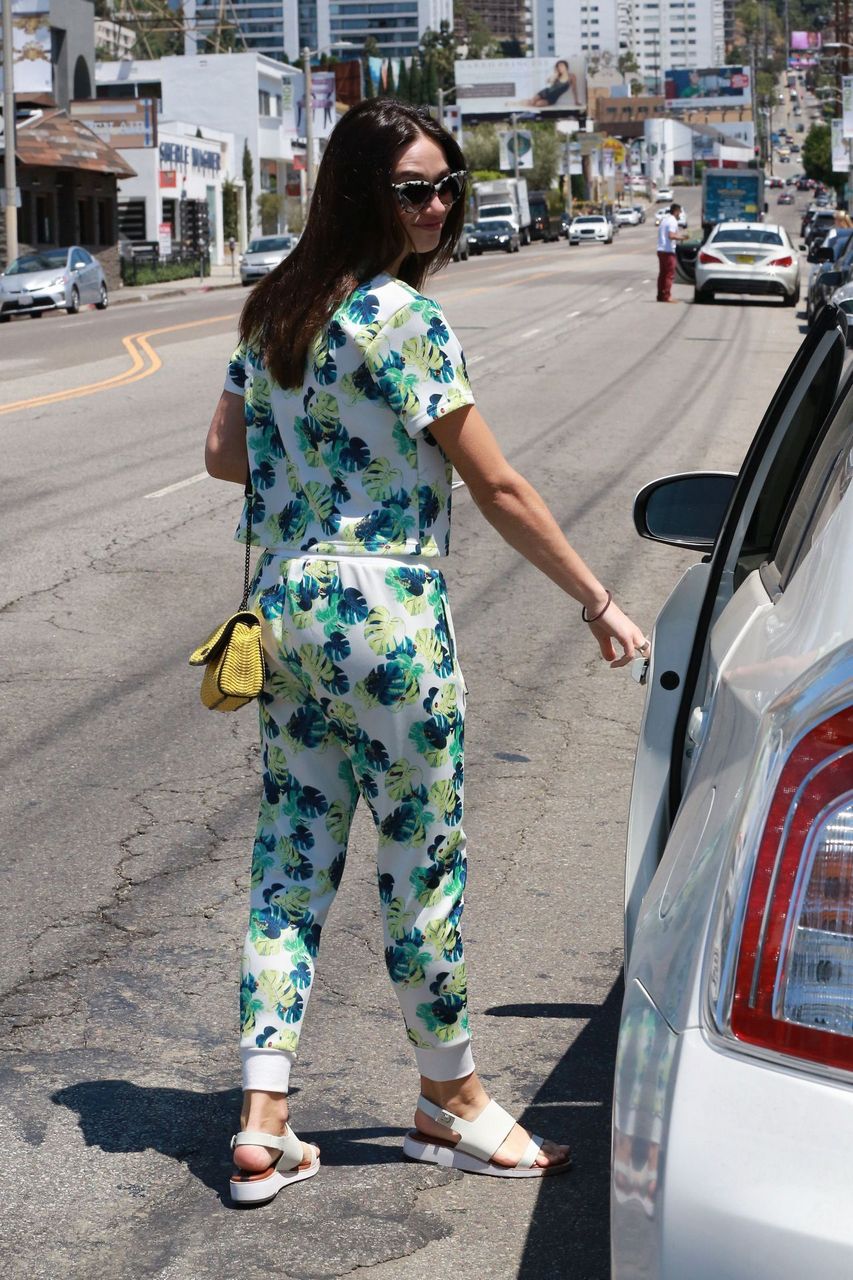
(195, 1128)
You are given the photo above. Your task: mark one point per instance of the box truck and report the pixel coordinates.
(504, 200)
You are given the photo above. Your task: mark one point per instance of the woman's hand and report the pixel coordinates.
(615, 628)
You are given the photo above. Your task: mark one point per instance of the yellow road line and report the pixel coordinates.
(138, 348)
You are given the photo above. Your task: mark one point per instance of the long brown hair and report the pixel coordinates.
(352, 233)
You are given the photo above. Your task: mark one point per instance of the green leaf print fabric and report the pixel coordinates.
(346, 463)
(360, 702)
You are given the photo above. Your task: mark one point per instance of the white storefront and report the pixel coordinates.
(181, 169)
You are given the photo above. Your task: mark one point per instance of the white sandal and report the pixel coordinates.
(479, 1141)
(289, 1167)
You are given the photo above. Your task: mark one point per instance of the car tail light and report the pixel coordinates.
(787, 261)
(708, 257)
(793, 986)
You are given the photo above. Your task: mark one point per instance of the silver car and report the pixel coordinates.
(263, 255)
(51, 279)
(748, 258)
(733, 1104)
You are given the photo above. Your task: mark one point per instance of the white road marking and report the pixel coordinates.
(606, 298)
(647, 282)
(571, 315)
(181, 484)
(629, 289)
(531, 333)
(473, 359)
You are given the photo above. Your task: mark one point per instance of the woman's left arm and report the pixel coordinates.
(225, 454)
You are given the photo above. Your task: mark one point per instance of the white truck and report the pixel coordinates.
(504, 200)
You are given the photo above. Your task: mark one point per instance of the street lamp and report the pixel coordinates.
(310, 167)
(10, 185)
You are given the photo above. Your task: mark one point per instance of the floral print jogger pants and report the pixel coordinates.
(363, 698)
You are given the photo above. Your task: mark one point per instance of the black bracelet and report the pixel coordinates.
(601, 612)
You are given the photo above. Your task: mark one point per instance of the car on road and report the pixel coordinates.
(52, 280)
(786, 197)
(843, 299)
(664, 195)
(748, 258)
(832, 264)
(495, 234)
(460, 251)
(641, 211)
(263, 255)
(627, 216)
(733, 1096)
(591, 228)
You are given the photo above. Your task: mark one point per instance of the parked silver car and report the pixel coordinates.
(733, 1106)
(47, 279)
(263, 255)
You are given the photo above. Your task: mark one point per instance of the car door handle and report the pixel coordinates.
(696, 725)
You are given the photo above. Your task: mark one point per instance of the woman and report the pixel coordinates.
(562, 80)
(350, 393)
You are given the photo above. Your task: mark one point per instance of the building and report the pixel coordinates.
(67, 177)
(249, 96)
(281, 28)
(507, 20)
(659, 34)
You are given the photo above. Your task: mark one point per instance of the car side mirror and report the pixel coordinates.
(684, 510)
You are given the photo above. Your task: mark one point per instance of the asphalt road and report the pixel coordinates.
(128, 809)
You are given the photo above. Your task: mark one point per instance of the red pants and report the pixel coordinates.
(666, 273)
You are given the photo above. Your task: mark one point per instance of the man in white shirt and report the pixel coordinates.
(668, 234)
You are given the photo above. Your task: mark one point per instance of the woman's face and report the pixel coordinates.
(422, 158)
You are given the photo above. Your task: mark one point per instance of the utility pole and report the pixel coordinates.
(10, 185)
(441, 106)
(310, 171)
(514, 120)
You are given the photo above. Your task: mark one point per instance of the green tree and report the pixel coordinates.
(248, 177)
(429, 83)
(230, 215)
(627, 65)
(403, 87)
(439, 47)
(367, 80)
(269, 207)
(481, 147)
(415, 82)
(817, 156)
(548, 147)
(390, 87)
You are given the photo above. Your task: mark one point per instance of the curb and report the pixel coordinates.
(141, 296)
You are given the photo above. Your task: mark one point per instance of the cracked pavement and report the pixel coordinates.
(128, 812)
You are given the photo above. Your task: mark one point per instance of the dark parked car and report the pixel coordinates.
(493, 235)
(831, 268)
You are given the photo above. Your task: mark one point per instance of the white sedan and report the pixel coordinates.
(661, 214)
(733, 1115)
(592, 228)
(627, 216)
(748, 258)
(664, 195)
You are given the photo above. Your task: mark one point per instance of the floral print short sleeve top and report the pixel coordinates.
(346, 464)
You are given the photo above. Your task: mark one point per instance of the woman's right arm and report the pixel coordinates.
(515, 509)
(225, 454)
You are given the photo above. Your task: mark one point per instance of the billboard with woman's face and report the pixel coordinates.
(497, 86)
(709, 87)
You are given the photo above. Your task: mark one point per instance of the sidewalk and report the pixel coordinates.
(219, 278)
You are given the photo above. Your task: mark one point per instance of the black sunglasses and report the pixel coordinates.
(416, 194)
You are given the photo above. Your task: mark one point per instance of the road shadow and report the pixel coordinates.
(569, 1233)
(195, 1128)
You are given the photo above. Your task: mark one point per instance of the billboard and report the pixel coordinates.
(522, 140)
(32, 69)
(805, 39)
(324, 114)
(709, 87)
(497, 86)
(128, 123)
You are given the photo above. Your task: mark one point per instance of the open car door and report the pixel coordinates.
(734, 520)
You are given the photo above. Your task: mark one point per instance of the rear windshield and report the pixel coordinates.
(747, 235)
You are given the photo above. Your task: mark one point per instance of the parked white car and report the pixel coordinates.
(733, 1115)
(263, 255)
(661, 214)
(592, 227)
(51, 280)
(748, 258)
(664, 195)
(627, 216)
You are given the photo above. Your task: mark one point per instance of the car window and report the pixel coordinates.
(78, 259)
(826, 477)
(785, 471)
(41, 261)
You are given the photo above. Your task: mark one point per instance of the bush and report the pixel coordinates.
(132, 273)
